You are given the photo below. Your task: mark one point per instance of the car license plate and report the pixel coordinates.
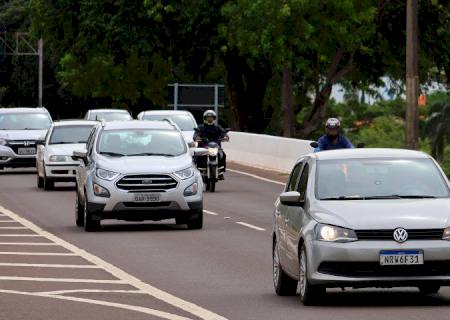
(404, 257)
(26, 151)
(146, 197)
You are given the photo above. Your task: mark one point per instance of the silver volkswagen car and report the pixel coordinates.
(362, 218)
(138, 170)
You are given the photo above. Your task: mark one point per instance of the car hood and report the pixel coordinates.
(385, 214)
(22, 134)
(147, 164)
(188, 136)
(64, 149)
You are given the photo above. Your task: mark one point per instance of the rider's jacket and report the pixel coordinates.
(325, 143)
(211, 133)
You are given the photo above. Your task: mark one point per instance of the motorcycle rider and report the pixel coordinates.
(333, 139)
(209, 131)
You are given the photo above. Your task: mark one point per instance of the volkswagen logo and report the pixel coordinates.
(400, 235)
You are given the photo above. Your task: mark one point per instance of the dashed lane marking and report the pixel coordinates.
(37, 253)
(248, 225)
(27, 244)
(90, 291)
(210, 212)
(124, 278)
(70, 280)
(14, 228)
(256, 177)
(20, 235)
(52, 265)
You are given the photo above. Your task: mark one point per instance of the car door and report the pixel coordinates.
(82, 168)
(294, 222)
(281, 213)
(40, 153)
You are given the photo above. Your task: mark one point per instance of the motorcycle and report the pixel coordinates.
(209, 165)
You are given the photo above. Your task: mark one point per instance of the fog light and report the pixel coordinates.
(191, 190)
(100, 191)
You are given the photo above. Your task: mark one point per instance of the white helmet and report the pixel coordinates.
(333, 123)
(209, 113)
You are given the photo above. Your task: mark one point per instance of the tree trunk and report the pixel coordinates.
(286, 100)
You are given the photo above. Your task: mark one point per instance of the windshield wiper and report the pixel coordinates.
(61, 142)
(416, 196)
(344, 198)
(112, 154)
(151, 154)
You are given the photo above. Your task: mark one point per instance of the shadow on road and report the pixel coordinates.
(14, 172)
(141, 227)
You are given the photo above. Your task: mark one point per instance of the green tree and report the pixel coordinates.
(383, 132)
(438, 127)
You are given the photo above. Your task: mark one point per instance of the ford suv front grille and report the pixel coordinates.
(413, 234)
(147, 182)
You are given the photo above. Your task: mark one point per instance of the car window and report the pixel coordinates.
(303, 182)
(110, 116)
(90, 142)
(70, 134)
(183, 121)
(25, 121)
(294, 177)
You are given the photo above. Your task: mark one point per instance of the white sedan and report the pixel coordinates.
(54, 154)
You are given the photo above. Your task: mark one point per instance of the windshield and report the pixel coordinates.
(110, 116)
(141, 142)
(378, 178)
(70, 134)
(184, 122)
(24, 121)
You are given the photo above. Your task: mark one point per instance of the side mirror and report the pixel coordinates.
(314, 144)
(80, 155)
(199, 152)
(291, 198)
(40, 142)
(192, 144)
(197, 130)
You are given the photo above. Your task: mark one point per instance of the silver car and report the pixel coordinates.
(108, 115)
(20, 131)
(183, 119)
(138, 170)
(362, 218)
(54, 154)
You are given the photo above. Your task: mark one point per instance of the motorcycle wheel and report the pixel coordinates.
(212, 185)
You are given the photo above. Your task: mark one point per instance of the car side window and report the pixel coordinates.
(294, 177)
(89, 143)
(303, 181)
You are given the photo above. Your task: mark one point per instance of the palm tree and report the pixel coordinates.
(438, 127)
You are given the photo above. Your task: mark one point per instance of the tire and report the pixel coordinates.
(309, 294)
(213, 185)
(90, 225)
(429, 289)
(79, 211)
(40, 182)
(208, 184)
(195, 223)
(48, 184)
(283, 284)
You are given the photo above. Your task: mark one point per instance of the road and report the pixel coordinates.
(50, 269)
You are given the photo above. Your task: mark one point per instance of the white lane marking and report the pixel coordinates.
(8, 221)
(14, 253)
(190, 307)
(90, 291)
(27, 244)
(153, 312)
(256, 177)
(210, 212)
(248, 225)
(71, 280)
(20, 235)
(13, 228)
(45, 265)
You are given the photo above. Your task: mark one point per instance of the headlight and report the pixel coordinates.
(107, 175)
(213, 151)
(185, 173)
(3, 142)
(100, 191)
(334, 234)
(191, 190)
(57, 158)
(446, 235)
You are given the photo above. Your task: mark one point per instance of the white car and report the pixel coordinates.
(183, 119)
(54, 155)
(108, 115)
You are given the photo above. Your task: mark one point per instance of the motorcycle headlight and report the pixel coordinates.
(59, 158)
(185, 173)
(330, 233)
(3, 142)
(213, 151)
(446, 235)
(106, 174)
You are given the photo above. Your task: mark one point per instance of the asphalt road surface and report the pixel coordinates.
(50, 269)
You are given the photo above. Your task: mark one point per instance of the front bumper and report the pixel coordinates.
(357, 264)
(61, 171)
(121, 204)
(8, 158)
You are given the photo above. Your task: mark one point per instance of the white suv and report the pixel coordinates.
(138, 170)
